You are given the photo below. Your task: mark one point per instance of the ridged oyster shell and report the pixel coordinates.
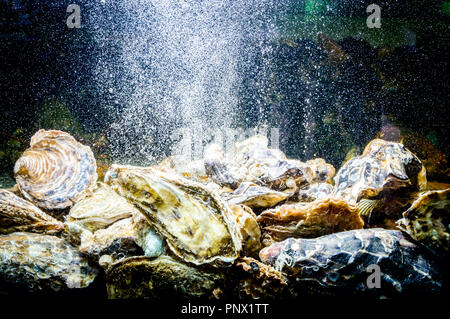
(56, 171)
(42, 262)
(100, 209)
(428, 220)
(383, 166)
(19, 215)
(198, 226)
(338, 263)
(314, 219)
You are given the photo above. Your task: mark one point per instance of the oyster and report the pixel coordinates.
(428, 220)
(163, 277)
(19, 215)
(118, 240)
(251, 160)
(314, 191)
(198, 226)
(250, 231)
(322, 172)
(100, 209)
(314, 219)
(383, 166)
(189, 169)
(220, 170)
(127, 237)
(56, 171)
(339, 263)
(254, 196)
(41, 262)
(251, 278)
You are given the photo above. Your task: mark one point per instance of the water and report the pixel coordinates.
(157, 78)
(177, 62)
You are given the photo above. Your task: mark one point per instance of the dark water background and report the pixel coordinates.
(288, 79)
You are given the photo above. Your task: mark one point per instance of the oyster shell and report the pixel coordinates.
(339, 263)
(383, 166)
(314, 191)
(56, 171)
(41, 262)
(194, 170)
(198, 226)
(19, 215)
(251, 160)
(118, 240)
(250, 231)
(322, 171)
(428, 220)
(100, 209)
(254, 196)
(163, 277)
(251, 278)
(314, 219)
(220, 170)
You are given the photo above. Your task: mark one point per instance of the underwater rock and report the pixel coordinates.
(19, 215)
(251, 279)
(383, 166)
(254, 196)
(314, 219)
(428, 220)
(100, 209)
(197, 225)
(41, 262)
(341, 263)
(56, 171)
(250, 231)
(163, 277)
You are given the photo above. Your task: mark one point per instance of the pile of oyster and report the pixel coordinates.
(249, 223)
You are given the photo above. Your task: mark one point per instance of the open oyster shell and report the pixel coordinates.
(42, 262)
(19, 215)
(314, 219)
(56, 171)
(383, 166)
(198, 226)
